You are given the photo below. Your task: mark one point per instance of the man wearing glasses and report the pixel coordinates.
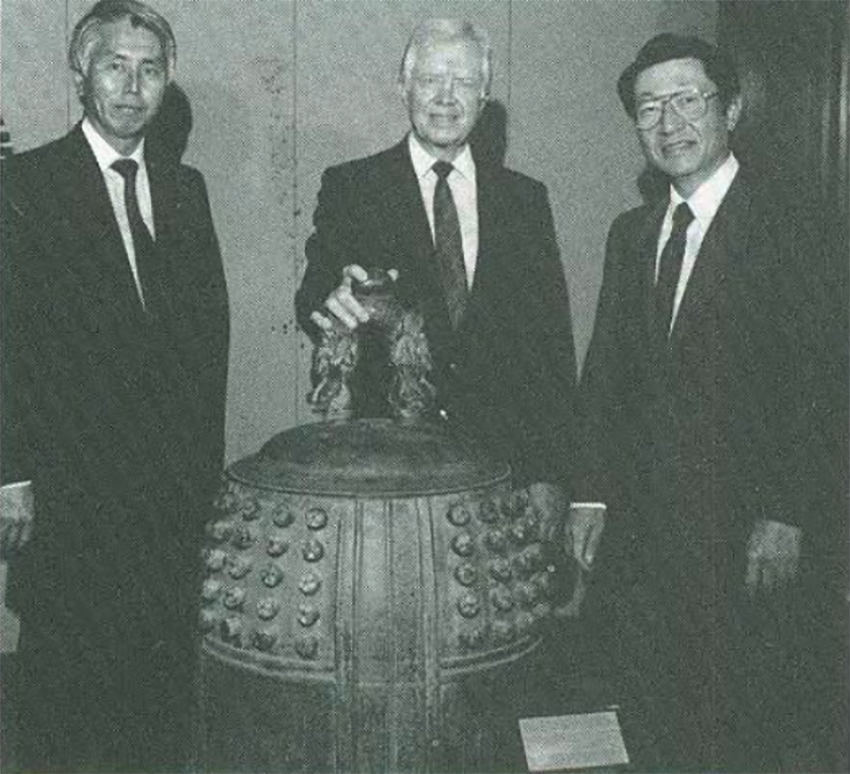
(695, 430)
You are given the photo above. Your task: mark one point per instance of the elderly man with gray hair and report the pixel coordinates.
(473, 247)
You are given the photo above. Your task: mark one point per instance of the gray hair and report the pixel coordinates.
(446, 31)
(87, 32)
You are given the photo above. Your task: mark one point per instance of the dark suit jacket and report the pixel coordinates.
(506, 376)
(692, 444)
(119, 425)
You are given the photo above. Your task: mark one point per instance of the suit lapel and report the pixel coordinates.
(103, 264)
(491, 243)
(166, 214)
(418, 262)
(648, 251)
(163, 199)
(724, 237)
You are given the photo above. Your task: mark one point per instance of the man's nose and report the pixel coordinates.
(670, 119)
(447, 89)
(132, 80)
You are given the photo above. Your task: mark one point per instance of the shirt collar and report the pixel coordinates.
(105, 154)
(423, 161)
(705, 201)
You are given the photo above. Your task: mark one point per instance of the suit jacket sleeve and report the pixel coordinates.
(327, 248)
(779, 424)
(609, 370)
(211, 333)
(15, 300)
(547, 373)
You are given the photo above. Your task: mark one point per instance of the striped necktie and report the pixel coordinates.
(448, 244)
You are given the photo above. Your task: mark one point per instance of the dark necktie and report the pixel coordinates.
(143, 244)
(448, 244)
(671, 268)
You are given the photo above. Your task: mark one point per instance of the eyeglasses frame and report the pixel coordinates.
(668, 100)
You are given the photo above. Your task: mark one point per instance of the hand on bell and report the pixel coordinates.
(583, 531)
(550, 502)
(17, 513)
(342, 304)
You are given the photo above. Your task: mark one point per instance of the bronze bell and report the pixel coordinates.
(367, 582)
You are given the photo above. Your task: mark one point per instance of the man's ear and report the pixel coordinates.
(80, 84)
(733, 112)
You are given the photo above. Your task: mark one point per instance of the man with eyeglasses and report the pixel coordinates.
(497, 321)
(696, 429)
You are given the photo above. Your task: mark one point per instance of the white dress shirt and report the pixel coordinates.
(464, 192)
(106, 155)
(704, 203)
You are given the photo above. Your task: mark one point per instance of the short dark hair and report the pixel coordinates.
(717, 63)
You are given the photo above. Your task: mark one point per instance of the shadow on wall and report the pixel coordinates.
(168, 135)
(489, 143)
(489, 138)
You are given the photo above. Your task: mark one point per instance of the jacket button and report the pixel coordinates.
(453, 367)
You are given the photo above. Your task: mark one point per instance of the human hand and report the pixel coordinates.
(17, 512)
(550, 502)
(773, 556)
(582, 533)
(342, 304)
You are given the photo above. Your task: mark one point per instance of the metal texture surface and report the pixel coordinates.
(369, 586)
(368, 457)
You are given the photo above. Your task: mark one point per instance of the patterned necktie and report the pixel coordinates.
(670, 269)
(143, 244)
(448, 244)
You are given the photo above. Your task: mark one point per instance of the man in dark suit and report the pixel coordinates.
(485, 271)
(114, 360)
(698, 429)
